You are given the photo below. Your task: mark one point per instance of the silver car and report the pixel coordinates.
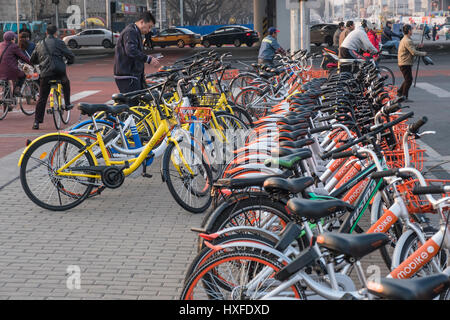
(92, 37)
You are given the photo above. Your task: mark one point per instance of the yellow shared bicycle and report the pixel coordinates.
(58, 171)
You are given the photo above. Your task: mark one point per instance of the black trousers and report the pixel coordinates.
(130, 84)
(44, 91)
(408, 79)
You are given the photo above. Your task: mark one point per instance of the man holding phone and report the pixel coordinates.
(129, 60)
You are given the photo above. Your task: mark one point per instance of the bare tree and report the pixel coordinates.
(200, 12)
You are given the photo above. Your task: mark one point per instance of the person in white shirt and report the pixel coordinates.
(355, 41)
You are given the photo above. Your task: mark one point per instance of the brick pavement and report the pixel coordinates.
(130, 243)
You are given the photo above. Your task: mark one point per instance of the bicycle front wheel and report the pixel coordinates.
(39, 177)
(188, 177)
(228, 275)
(30, 96)
(4, 107)
(385, 71)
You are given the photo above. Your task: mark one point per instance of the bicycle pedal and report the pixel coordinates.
(146, 175)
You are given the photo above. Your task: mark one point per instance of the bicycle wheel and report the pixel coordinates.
(241, 81)
(191, 190)
(208, 253)
(394, 232)
(226, 277)
(40, 181)
(4, 105)
(260, 212)
(385, 71)
(29, 98)
(228, 133)
(253, 100)
(412, 243)
(55, 110)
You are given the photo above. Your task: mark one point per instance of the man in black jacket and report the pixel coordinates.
(129, 60)
(53, 49)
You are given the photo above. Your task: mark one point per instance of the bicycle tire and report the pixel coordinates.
(391, 79)
(249, 211)
(394, 232)
(29, 98)
(57, 116)
(201, 168)
(207, 253)
(410, 245)
(4, 107)
(27, 169)
(254, 259)
(241, 81)
(247, 97)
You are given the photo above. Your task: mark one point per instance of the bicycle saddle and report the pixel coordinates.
(294, 135)
(282, 152)
(290, 161)
(297, 144)
(242, 183)
(317, 209)
(425, 288)
(293, 127)
(296, 185)
(90, 109)
(352, 245)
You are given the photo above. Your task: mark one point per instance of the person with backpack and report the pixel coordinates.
(10, 54)
(49, 54)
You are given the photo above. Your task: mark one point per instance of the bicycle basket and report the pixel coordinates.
(230, 74)
(396, 158)
(204, 100)
(419, 203)
(193, 114)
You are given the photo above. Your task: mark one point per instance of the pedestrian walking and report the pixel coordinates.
(406, 53)
(269, 47)
(49, 54)
(129, 59)
(434, 31)
(10, 54)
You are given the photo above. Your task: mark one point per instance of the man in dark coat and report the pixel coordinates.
(129, 59)
(10, 53)
(53, 49)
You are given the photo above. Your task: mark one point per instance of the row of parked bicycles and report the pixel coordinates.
(252, 151)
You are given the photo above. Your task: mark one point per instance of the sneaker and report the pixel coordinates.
(36, 125)
(68, 107)
(409, 100)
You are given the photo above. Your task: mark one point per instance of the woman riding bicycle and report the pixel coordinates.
(10, 54)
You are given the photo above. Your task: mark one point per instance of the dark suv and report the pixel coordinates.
(323, 33)
(236, 35)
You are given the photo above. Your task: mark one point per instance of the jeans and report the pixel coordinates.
(44, 91)
(407, 75)
(391, 43)
(130, 84)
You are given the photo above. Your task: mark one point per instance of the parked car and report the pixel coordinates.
(445, 28)
(176, 36)
(323, 33)
(66, 32)
(92, 37)
(236, 35)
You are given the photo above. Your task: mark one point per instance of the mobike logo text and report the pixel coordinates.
(355, 192)
(384, 223)
(361, 207)
(416, 261)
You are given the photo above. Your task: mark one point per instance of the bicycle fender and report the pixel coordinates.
(54, 134)
(398, 248)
